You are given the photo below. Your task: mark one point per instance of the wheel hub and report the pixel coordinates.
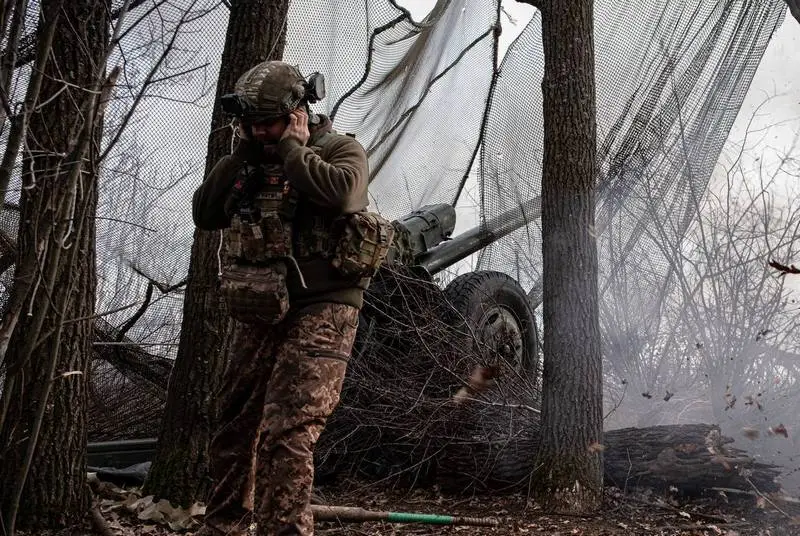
(500, 333)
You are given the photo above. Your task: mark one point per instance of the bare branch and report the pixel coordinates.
(19, 122)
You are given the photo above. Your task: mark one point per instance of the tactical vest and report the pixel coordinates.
(276, 222)
(263, 224)
(273, 225)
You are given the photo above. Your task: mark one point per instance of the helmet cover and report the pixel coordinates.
(273, 88)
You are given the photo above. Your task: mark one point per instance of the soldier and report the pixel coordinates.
(283, 199)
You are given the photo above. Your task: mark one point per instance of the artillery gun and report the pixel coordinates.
(491, 305)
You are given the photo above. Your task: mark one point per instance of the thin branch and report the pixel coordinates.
(125, 222)
(148, 80)
(19, 123)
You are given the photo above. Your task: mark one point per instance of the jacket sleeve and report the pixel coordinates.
(208, 202)
(338, 178)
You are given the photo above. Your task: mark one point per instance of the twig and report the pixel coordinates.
(619, 402)
(783, 498)
(162, 287)
(775, 506)
(101, 315)
(134, 344)
(502, 404)
(125, 222)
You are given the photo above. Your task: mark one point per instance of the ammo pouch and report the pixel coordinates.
(262, 241)
(361, 242)
(256, 294)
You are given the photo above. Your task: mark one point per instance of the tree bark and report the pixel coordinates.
(43, 433)
(256, 32)
(570, 468)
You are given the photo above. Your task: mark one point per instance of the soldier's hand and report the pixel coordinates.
(298, 126)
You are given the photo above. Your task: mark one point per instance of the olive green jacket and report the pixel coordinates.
(332, 178)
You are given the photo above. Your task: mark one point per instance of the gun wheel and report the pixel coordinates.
(494, 312)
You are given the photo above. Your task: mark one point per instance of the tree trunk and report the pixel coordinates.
(569, 479)
(256, 32)
(43, 418)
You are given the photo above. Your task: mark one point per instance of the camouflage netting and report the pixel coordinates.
(671, 78)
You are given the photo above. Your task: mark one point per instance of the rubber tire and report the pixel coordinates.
(470, 293)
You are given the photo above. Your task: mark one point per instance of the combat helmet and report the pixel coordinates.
(272, 89)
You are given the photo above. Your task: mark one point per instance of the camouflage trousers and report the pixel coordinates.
(280, 387)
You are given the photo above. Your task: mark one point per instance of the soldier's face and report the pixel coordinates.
(269, 130)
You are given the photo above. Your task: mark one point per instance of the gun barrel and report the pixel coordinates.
(462, 246)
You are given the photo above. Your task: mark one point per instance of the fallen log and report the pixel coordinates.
(689, 457)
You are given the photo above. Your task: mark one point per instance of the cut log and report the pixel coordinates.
(690, 457)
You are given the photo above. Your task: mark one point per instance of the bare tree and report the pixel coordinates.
(569, 473)
(46, 334)
(256, 32)
(43, 421)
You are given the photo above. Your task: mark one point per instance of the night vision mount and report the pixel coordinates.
(240, 106)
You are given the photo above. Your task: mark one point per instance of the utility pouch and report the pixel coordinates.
(256, 294)
(361, 243)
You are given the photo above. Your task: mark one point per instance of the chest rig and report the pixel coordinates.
(258, 245)
(272, 221)
(262, 208)
(273, 225)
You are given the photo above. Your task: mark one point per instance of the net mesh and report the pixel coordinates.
(424, 97)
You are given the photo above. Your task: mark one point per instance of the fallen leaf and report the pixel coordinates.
(133, 503)
(197, 509)
(750, 433)
(151, 512)
(780, 430)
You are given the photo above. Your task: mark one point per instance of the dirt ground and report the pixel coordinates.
(636, 513)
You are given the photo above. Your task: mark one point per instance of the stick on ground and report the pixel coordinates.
(360, 515)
